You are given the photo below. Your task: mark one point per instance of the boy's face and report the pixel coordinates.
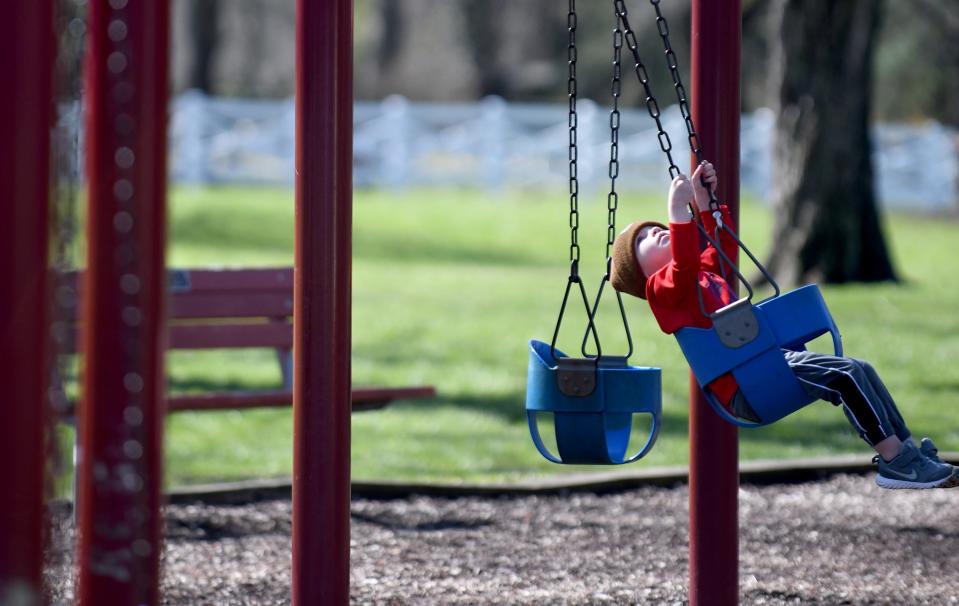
(652, 249)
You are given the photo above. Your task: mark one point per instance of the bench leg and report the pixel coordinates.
(285, 357)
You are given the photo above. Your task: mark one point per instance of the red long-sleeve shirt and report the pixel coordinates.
(671, 291)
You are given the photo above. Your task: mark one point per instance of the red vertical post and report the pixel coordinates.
(321, 379)
(27, 49)
(121, 415)
(714, 444)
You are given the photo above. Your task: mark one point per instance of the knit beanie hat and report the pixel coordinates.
(627, 276)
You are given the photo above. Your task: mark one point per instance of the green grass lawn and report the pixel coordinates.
(449, 285)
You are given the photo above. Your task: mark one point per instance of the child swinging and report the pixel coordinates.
(664, 266)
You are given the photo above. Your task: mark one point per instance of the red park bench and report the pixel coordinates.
(247, 308)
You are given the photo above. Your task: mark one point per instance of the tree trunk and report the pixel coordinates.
(391, 40)
(204, 33)
(827, 224)
(483, 40)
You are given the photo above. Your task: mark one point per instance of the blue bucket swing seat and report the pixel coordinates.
(592, 402)
(748, 340)
(592, 399)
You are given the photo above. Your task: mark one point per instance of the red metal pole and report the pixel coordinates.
(321, 380)
(27, 48)
(713, 443)
(121, 416)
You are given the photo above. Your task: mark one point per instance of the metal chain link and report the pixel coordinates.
(571, 57)
(652, 106)
(672, 62)
(612, 199)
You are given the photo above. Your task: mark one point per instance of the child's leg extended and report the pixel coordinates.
(872, 411)
(895, 417)
(857, 388)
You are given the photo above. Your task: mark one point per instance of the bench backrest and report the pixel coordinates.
(226, 308)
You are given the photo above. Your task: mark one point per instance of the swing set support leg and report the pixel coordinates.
(321, 379)
(27, 50)
(714, 444)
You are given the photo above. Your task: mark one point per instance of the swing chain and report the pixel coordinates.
(663, 28)
(571, 57)
(612, 199)
(672, 62)
(652, 106)
(574, 277)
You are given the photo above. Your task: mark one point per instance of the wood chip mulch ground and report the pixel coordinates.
(839, 541)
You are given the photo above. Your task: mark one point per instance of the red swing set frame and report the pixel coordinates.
(121, 569)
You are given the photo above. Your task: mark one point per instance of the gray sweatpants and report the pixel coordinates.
(856, 386)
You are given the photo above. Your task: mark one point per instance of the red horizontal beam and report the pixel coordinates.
(363, 398)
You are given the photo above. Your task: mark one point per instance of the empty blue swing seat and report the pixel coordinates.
(592, 428)
(787, 321)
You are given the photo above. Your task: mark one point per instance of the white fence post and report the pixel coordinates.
(495, 144)
(396, 123)
(188, 141)
(493, 134)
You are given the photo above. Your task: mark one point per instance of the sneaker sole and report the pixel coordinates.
(947, 482)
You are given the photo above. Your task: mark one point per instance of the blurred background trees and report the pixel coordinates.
(829, 69)
(446, 50)
(826, 222)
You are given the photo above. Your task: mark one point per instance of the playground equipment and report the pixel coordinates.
(713, 541)
(592, 421)
(745, 340)
(592, 399)
(119, 479)
(716, 42)
(121, 418)
(120, 476)
(26, 116)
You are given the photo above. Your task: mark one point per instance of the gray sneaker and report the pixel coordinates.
(929, 450)
(910, 469)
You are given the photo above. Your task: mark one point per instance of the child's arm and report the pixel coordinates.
(681, 196)
(679, 277)
(710, 257)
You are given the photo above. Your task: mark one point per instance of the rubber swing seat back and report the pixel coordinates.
(593, 428)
